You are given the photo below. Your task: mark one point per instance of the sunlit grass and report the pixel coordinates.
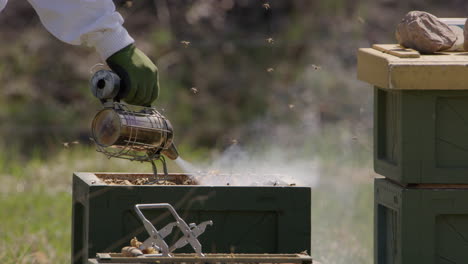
(35, 202)
(35, 227)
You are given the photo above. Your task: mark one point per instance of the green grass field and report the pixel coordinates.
(35, 202)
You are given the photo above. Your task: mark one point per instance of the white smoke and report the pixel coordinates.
(237, 167)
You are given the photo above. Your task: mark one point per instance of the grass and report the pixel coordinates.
(35, 227)
(342, 204)
(342, 223)
(35, 202)
(35, 199)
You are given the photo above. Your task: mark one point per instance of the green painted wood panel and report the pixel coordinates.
(246, 219)
(414, 225)
(421, 136)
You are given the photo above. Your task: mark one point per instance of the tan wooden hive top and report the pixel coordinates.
(392, 67)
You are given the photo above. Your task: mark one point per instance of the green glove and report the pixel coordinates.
(139, 76)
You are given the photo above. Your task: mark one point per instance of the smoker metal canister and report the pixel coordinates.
(135, 130)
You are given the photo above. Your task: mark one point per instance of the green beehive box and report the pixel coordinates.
(420, 224)
(254, 219)
(420, 115)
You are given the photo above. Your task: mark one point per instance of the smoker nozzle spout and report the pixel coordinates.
(171, 152)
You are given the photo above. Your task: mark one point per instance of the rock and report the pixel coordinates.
(424, 32)
(465, 34)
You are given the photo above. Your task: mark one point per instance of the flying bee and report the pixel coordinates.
(68, 144)
(270, 40)
(266, 6)
(361, 20)
(315, 67)
(185, 43)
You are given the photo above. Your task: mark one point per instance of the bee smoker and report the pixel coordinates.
(126, 131)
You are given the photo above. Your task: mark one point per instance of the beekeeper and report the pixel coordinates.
(96, 23)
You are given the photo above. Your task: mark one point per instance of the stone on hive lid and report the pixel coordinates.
(424, 32)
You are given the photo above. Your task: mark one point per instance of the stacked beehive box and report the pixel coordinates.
(421, 148)
(247, 219)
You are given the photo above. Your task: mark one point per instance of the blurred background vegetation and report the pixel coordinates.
(259, 73)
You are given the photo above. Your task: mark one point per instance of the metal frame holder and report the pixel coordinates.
(156, 237)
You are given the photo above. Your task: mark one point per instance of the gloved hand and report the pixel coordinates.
(138, 73)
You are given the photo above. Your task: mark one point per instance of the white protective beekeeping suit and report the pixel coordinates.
(93, 23)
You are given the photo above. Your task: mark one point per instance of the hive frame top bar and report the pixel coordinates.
(92, 178)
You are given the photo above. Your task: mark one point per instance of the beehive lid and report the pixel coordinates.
(391, 66)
